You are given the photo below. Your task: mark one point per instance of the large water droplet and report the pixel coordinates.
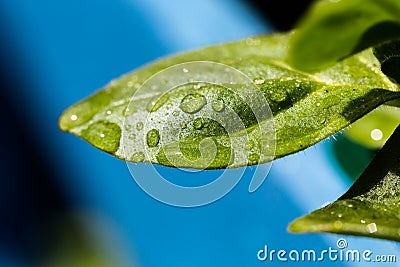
(192, 103)
(137, 157)
(218, 105)
(152, 138)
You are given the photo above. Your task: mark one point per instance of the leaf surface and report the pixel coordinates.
(372, 205)
(306, 107)
(333, 30)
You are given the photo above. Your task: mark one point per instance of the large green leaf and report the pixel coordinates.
(332, 30)
(372, 205)
(307, 108)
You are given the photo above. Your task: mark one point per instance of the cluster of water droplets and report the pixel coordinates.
(192, 120)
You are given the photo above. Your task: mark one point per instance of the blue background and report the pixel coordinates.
(55, 53)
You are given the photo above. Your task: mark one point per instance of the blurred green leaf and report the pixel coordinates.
(371, 207)
(375, 128)
(307, 108)
(332, 30)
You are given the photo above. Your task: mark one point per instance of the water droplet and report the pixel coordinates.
(340, 215)
(224, 141)
(322, 119)
(362, 221)
(198, 123)
(137, 157)
(128, 127)
(108, 112)
(74, 117)
(102, 135)
(157, 103)
(218, 105)
(376, 134)
(259, 81)
(372, 228)
(139, 126)
(279, 95)
(250, 145)
(152, 138)
(185, 70)
(318, 104)
(192, 103)
(132, 136)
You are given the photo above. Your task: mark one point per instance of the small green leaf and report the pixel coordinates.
(372, 205)
(306, 108)
(337, 29)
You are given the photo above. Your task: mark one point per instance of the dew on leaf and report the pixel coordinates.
(218, 105)
(157, 103)
(279, 95)
(139, 126)
(152, 138)
(259, 81)
(132, 136)
(372, 228)
(137, 157)
(192, 103)
(254, 157)
(198, 123)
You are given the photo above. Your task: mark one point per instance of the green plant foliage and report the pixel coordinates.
(375, 128)
(334, 29)
(371, 206)
(306, 108)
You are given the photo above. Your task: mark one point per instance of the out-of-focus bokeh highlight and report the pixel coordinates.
(65, 203)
